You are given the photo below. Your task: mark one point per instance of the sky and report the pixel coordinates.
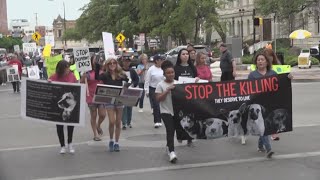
(47, 10)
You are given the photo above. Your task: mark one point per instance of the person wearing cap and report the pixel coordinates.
(134, 80)
(227, 64)
(153, 77)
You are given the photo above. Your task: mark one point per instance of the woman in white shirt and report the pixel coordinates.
(153, 77)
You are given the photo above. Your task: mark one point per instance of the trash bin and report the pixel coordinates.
(280, 56)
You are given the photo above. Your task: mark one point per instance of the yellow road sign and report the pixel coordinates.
(36, 36)
(120, 37)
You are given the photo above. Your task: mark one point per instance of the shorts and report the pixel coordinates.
(114, 106)
(94, 105)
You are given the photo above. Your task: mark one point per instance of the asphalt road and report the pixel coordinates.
(29, 150)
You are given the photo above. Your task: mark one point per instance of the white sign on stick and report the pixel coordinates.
(33, 72)
(29, 47)
(108, 45)
(82, 59)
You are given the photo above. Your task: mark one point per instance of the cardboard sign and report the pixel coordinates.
(108, 45)
(33, 72)
(47, 50)
(82, 59)
(13, 74)
(16, 48)
(29, 47)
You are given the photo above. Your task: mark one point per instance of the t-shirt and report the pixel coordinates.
(67, 78)
(153, 77)
(226, 61)
(256, 75)
(204, 72)
(143, 74)
(166, 104)
(92, 85)
(184, 71)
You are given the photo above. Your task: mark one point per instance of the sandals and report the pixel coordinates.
(99, 130)
(96, 139)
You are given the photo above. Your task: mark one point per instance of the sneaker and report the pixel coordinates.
(173, 157)
(269, 154)
(160, 124)
(190, 144)
(71, 149)
(140, 110)
(111, 146)
(130, 126)
(156, 125)
(275, 138)
(63, 150)
(124, 127)
(262, 150)
(116, 147)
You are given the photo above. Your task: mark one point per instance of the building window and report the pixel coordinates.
(59, 33)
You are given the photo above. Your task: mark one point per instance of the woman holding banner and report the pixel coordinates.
(63, 74)
(113, 75)
(95, 109)
(185, 68)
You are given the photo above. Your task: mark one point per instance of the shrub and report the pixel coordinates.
(314, 61)
(247, 59)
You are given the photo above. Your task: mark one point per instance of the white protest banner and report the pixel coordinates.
(82, 59)
(53, 102)
(33, 72)
(117, 95)
(29, 47)
(16, 48)
(49, 39)
(108, 45)
(13, 74)
(185, 80)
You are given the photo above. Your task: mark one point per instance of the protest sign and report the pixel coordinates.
(279, 69)
(53, 102)
(47, 50)
(108, 45)
(16, 48)
(13, 74)
(29, 47)
(117, 95)
(183, 80)
(82, 59)
(51, 64)
(33, 72)
(220, 109)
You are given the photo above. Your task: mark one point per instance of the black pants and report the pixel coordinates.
(169, 124)
(155, 105)
(227, 76)
(61, 134)
(16, 86)
(141, 85)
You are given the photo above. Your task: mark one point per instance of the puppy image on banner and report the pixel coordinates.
(216, 128)
(191, 126)
(276, 121)
(67, 103)
(237, 122)
(255, 122)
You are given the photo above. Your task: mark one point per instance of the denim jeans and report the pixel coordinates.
(141, 85)
(126, 115)
(45, 75)
(264, 141)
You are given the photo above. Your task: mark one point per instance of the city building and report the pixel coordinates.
(3, 17)
(58, 27)
(17, 27)
(239, 18)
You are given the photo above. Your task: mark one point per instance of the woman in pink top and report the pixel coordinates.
(93, 107)
(63, 74)
(202, 69)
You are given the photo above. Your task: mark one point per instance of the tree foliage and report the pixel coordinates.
(180, 19)
(9, 42)
(284, 10)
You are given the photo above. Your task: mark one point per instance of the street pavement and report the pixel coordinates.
(30, 150)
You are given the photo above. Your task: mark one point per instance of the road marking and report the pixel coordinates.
(185, 166)
(127, 143)
(5, 90)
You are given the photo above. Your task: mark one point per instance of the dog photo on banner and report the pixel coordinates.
(235, 108)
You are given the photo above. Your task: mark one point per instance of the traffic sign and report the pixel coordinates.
(120, 37)
(120, 44)
(36, 36)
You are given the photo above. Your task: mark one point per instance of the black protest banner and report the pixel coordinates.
(242, 107)
(53, 102)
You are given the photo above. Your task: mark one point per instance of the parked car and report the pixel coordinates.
(172, 54)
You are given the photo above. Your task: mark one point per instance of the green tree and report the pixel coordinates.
(72, 34)
(9, 42)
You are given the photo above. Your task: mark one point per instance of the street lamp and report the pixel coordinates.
(241, 11)
(64, 22)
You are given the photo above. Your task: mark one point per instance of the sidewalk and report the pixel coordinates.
(300, 75)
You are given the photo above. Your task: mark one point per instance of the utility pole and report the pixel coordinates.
(275, 33)
(64, 23)
(36, 18)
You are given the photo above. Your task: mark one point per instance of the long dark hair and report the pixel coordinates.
(61, 68)
(256, 59)
(178, 63)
